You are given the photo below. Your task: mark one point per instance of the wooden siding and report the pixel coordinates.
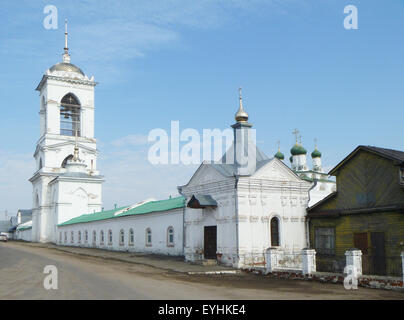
(391, 223)
(366, 181)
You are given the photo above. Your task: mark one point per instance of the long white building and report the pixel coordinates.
(230, 211)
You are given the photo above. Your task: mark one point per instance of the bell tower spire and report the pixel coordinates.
(66, 55)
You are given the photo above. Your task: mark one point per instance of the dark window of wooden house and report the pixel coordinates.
(325, 240)
(275, 232)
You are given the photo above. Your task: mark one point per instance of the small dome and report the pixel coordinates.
(66, 67)
(291, 159)
(316, 154)
(241, 116)
(298, 150)
(279, 155)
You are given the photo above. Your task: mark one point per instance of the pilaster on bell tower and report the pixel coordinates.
(66, 96)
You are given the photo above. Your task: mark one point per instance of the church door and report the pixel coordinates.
(210, 242)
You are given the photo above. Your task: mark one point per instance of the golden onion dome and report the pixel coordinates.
(241, 115)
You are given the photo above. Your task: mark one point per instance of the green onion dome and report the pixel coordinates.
(298, 150)
(279, 155)
(291, 159)
(316, 154)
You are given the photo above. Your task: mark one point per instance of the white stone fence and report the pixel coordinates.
(305, 261)
(278, 259)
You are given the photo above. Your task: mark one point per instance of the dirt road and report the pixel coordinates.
(22, 277)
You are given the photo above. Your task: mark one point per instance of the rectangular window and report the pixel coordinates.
(325, 240)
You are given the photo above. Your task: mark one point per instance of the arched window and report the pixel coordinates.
(65, 237)
(102, 237)
(68, 158)
(148, 237)
(79, 237)
(275, 232)
(131, 237)
(121, 237)
(72, 237)
(86, 236)
(70, 116)
(110, 237)
(60, 237)
(170, 237)
(94, 237)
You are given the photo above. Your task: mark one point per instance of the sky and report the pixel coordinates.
(160, 61)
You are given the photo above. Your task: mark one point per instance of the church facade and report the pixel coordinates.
(230, 211)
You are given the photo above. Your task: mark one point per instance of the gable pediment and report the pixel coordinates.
(277, 171)
(206, 173)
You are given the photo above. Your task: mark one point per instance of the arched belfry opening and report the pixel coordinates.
(70, 111)
(275, 232)
(68, 158)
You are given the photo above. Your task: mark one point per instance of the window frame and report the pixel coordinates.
(110, 237)
(170, 243)
(147, 242)
(131, 236)
(278, 231)
(102, 237)
(121, 237)
(321, 251)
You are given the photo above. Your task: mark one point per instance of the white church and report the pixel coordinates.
(229, 211)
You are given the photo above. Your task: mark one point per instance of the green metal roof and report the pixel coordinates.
(24, 228)
(148, 207)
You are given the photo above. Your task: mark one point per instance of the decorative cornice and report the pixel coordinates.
(65, 79)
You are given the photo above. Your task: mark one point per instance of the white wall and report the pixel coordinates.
(24, 235)
(158, 222)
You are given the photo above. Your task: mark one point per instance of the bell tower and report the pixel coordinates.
(66, 113)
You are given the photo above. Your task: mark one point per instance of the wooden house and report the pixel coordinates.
(366, 212)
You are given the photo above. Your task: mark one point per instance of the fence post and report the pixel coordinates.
(271, 257)
(308, 261)
(354, 259)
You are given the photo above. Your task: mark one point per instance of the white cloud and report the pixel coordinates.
(131, 178)
(131, 140)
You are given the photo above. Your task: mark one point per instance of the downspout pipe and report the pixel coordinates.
(183, 221)
(308, 219)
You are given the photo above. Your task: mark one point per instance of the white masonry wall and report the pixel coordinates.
(24, 235)
(158, 222)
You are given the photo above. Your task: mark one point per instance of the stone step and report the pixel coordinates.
(209, 262)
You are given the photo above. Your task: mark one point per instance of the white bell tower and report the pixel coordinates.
(66, 122)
